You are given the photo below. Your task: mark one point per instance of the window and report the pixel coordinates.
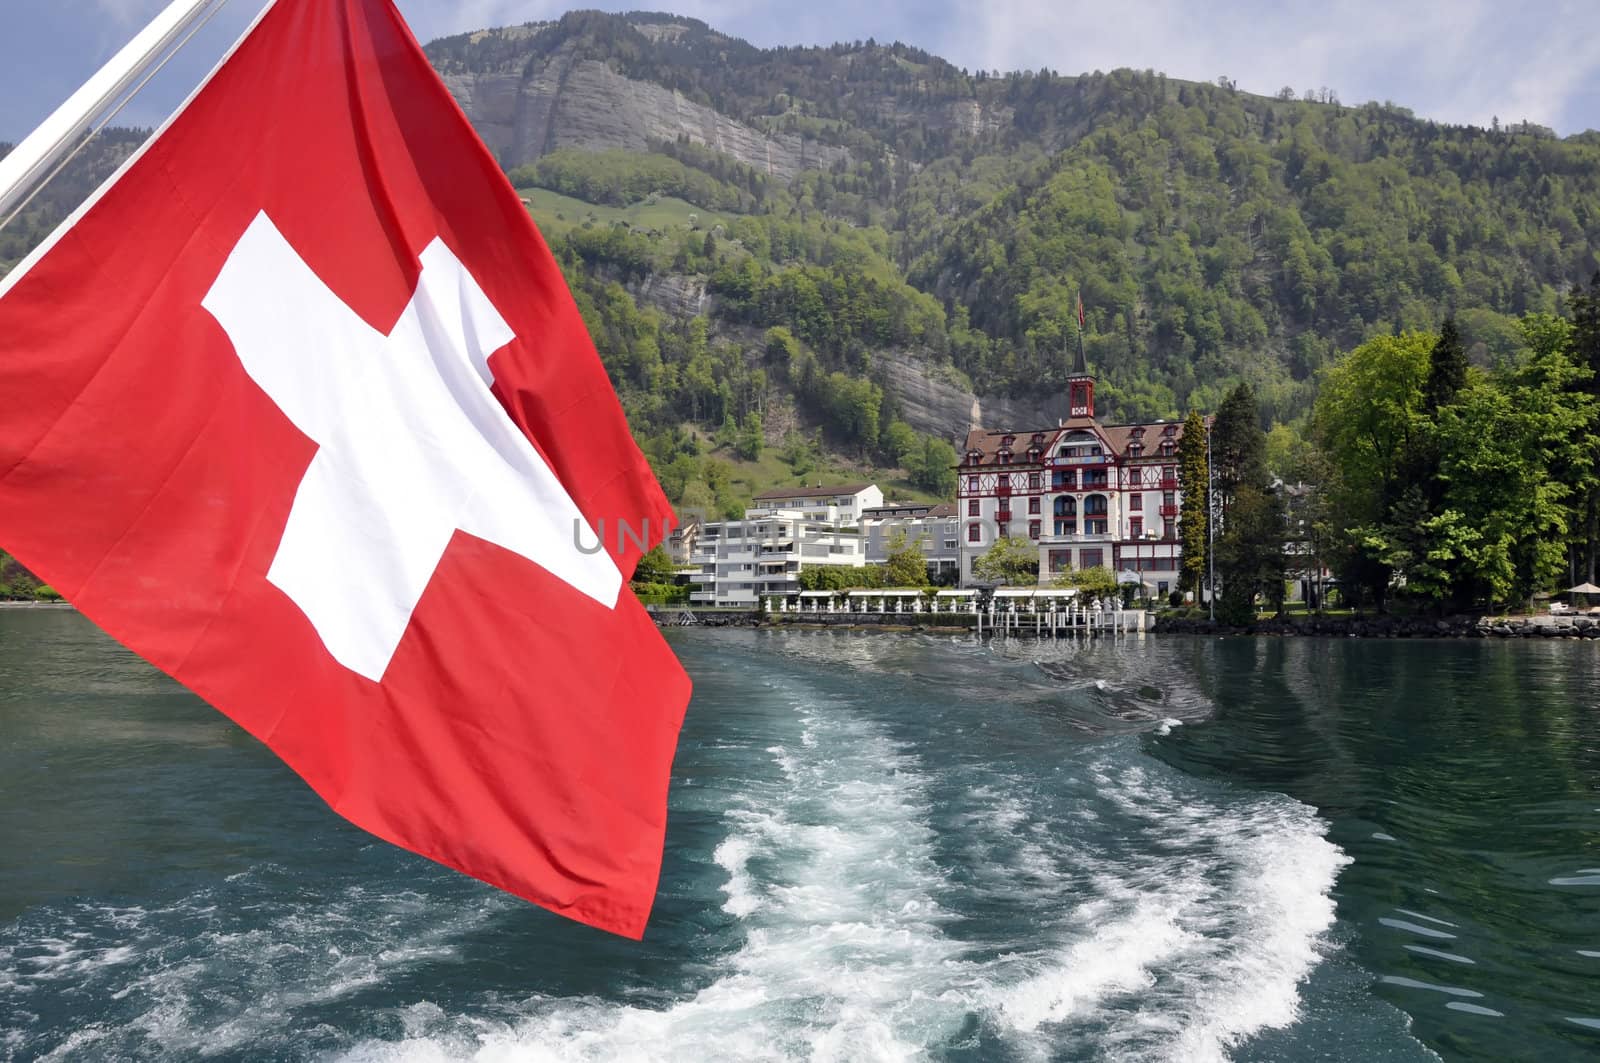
(973, 532)
(972, 507)
(1166, 449)
(1033, 529)
(1136, 527)
(1091, 558)
(1004, 529)
(1033, 505)
(1136, 501)
(972, 484)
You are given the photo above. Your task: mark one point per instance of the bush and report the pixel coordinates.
(1175, 599)
(46, 593)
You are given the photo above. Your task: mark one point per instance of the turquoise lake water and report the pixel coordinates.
(881, 847)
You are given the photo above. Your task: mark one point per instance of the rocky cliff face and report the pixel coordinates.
(565, 101)
(930, 403)
(674, 294)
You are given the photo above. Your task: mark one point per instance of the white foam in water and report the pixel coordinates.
(1174, 960)
(197, 986)
(1177, 943)
(844, 956)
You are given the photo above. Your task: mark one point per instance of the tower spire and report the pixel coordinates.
(1081, 366)
(1080, 385)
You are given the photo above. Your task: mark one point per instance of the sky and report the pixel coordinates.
(1452, 60)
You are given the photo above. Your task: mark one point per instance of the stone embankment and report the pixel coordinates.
(1399, 627)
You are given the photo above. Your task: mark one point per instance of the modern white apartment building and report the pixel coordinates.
(739, 562)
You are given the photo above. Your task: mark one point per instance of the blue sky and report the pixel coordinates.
(1453, 60)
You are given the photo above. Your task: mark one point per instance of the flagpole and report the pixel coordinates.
(34, 159)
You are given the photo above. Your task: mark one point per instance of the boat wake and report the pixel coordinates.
(850, 877)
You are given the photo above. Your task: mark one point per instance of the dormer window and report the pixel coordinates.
(974, 457)
(1170, 431)
(1166, 448)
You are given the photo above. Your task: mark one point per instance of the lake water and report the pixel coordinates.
(881, 847)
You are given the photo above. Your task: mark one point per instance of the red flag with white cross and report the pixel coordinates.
(303, 413)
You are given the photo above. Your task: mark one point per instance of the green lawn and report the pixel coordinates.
(555, 213)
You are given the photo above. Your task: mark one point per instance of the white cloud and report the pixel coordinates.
(1456, 60)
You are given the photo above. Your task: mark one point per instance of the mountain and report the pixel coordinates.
(849, 254)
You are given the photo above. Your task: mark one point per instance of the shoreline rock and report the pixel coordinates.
(1396, 627)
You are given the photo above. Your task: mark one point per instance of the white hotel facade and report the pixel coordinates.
(1086, 494)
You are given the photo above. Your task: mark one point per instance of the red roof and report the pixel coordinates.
(1115, 437)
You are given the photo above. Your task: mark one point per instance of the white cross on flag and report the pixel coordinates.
(313, 425)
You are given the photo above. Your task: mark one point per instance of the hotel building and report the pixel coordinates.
(1087, 494)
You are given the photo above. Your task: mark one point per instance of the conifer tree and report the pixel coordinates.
(1238, 446)
(1447, 368)
(1250, 545)
(1584, 351)
(1192, 476)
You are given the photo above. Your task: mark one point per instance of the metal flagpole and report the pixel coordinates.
(44, 149)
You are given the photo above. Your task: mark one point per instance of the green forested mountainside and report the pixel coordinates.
(1216, 235)
(763, 322)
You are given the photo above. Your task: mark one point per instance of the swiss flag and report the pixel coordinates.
(301, 411)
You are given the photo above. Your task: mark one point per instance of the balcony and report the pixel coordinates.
(1003, 516)
(1075, 537)
(1169, 483)
(1169, 511)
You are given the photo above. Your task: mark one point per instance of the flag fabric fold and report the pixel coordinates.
(334, 499)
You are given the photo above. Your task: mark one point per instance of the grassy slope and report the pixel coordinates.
(555, 213)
